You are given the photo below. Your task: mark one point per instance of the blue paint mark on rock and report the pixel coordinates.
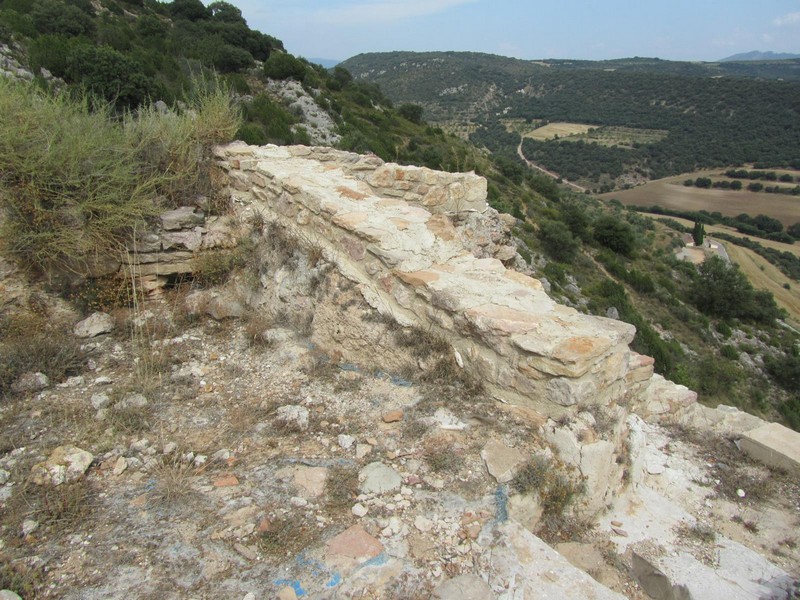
(335, 580)
(378, 561)
(501, 500)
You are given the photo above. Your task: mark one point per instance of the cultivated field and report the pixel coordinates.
(560, 130)
(671, 193)
(620, 137)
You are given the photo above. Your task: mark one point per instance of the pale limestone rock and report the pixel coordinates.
(65, 464)
(774, 445)
(95, 324)
(463, 587)
(501, 461)
(30, 382)
(310, 480)
(537, 570)
(183, 217)
(293, 416)
(377, 478)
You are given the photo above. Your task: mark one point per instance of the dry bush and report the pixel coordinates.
(256, 324)
(288, 536)
(543, 477)
(59, 507)
(341, 486)
(77, 179)
(24, 580)
(441, 457)
(32, 342)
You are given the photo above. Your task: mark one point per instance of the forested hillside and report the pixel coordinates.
(712, 114)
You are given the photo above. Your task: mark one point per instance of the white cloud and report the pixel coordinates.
(788, 20)
(384, 12)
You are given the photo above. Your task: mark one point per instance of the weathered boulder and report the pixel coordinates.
(95, 324)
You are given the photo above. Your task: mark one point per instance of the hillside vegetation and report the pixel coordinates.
(714, 114)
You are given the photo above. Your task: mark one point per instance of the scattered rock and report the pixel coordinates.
(99, 400)
(463, 587)
(248, 553)
(310, 480)
(30, 382)
(346, 441)
(227, 481)
(354, 544)
(65, 464)
(95, 324)
(287, 593)
(29, 526)
(423, 524)
(362, 450)
(359, 510)
(445, 419)
(292, 417)
(501, 461)
(184, 217)
(120, 465)
(377, 478)
(393, 416)
(131, 401)
(9, 595)
(4, 476)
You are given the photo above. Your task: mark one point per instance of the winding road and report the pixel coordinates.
(532, 165)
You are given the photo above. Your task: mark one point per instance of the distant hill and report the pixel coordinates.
(651, 118)
(757, 55)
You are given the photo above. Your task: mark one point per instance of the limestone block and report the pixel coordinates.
(184, 217)
(774, 445)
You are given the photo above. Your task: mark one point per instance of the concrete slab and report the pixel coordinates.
(774, 445)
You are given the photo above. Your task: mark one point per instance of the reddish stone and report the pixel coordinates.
(355, 543)
(393, 416)
(227, 481)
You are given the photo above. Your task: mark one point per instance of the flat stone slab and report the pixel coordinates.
(774, 445)
(538, 571)
(501, 461)
(378, 478)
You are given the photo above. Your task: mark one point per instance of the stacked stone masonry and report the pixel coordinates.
(390, 230)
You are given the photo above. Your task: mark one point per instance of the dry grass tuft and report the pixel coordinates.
(173, 480)
(288, 536)
(341, 486)
(441, 457)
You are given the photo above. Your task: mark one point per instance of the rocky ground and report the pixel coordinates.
(207, 459)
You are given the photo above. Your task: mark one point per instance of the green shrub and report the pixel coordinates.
(614, 234)
(281, 65)
(558, 241)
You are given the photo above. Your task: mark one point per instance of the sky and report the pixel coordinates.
(530, 29)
